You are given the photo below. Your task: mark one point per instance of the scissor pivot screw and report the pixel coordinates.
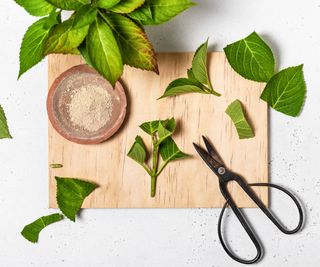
(221, 170)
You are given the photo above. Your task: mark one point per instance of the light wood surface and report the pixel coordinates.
(183, 184)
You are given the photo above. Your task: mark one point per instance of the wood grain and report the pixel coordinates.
(183, 184)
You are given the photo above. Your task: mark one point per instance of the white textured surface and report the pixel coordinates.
(163, 237)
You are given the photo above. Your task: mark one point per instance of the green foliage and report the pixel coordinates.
(138, 151)
(4, 129)
(37, 8)
(236, 113)
(31, 231)
(107, 3)
(127, 6)
(68, 4)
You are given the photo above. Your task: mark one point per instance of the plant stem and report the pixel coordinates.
(153, 185)
(162, 167)
(155, 158)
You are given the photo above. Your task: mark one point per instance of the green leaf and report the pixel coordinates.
(236, 113)
(84, 16)
(107, 3)
(169, 151)
(138, 151)
(135, 48)
(84, 53)
(252, 58)
(127, 6)
(151, 127)
(37, 8)
(31, 231)
(33, 42)
(164, 132)
(103, 51)
(191, 75)
(155, 12)
(4, 129)
(71, 193)
(285, 92)
(68, 4)
(183, 86)
(65, 39)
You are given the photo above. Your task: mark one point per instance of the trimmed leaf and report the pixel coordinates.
(31, 231)
(165, 130)
(84, 53)
(71, 193)
(37, 8)
(103, 51)
(107, 3)
(151, 127)
(155, 12)
(138, 151)
(252, 58)
(68, 4)
(84, 16)
(135, 48)
(169, 151)
(127, 6)
(65, 39)
(33, 42)
(183, 86)
(4, 129)
(236, 113)
(286, 90)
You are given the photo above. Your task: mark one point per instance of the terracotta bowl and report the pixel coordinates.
(59, 98)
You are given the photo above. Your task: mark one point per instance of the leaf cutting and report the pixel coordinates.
(107, 33)
(161, 132)
(198, 80)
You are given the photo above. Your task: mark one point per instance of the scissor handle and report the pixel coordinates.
(245, 224)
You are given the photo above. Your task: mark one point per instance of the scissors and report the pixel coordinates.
(214, 162)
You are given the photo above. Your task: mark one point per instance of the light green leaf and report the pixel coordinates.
(183, 86)
(151, 127)
(71, 193)
(138, 151)
(37, 8)
(68, 4)
(65, 39)
(285, 92)
(31, 231)
(191, 75)
(84, 53)
(104, 51)
(169, 151)
(236, 113)
(4, 129)
(155, 12)
(135, 48)
(252, 58)
(127, 6)
(84, 16)
(107, 3)
(165, 130)
(33, 43)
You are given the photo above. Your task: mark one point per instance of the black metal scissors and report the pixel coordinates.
(213, 160)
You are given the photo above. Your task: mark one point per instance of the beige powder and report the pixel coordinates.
(90, 107)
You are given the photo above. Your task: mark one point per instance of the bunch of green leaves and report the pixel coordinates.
(71, 193)
(108, 33)
(198, 80)
(161, 132)
(253, 59)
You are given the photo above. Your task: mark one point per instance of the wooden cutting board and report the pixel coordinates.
(183, 184)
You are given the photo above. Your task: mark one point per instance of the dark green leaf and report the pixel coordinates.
(33, 43)
(84, 53)
(71, 193)
(65, 39)
(135, 48)
(285, 92)
(252, 58)
(36, 7)
(151, 127)
(68, 4)
(138, 151)
(164, 133)
(31, 231)
(4, 129)
(103, 51)
(127, 6)
(84, 16)
(107, 3)
(155, 12)
(236, 113)
(169, 151)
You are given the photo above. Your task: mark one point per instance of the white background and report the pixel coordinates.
(164, 237)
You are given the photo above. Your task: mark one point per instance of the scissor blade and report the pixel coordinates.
(211, 162)
(212, 151)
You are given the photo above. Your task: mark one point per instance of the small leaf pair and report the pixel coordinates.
(161, 132)
(198, 80)
(253, 59)
(71, 193)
